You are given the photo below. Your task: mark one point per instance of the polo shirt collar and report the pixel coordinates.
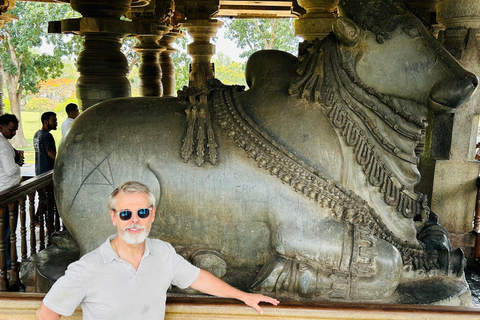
(108, 254)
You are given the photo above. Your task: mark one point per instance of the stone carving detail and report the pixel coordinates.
(199, 122)
(340, 97)
(344, 205)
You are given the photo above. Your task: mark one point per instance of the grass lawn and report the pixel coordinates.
(31, 123)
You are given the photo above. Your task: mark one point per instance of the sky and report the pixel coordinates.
(227, 46)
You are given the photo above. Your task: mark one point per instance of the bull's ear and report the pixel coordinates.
(347, 31)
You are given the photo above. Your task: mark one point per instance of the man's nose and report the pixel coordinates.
(135, 217)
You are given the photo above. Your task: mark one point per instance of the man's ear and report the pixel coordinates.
(347, 31)
(112, 216)
(154, 209)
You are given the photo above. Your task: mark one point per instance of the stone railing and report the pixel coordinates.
(33, 201)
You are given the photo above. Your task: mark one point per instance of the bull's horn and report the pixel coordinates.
(347, 31)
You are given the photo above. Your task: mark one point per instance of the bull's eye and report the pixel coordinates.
(412, 31)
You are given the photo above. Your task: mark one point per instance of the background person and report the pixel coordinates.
(44, 144)
(128, 276)
(10, 159)
(72, 113)
(10, 162)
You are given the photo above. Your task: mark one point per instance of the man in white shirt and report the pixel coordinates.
(72, 112)
(10, 163)
(127, 277)
(10, 159)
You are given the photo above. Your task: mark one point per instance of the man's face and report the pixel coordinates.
(52, 123)
(75, 114)
(135, 230)
(9, 131)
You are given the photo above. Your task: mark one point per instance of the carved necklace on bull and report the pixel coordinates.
(344, 204)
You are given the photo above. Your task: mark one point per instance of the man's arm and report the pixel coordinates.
(209, 284)
(44, 313)
(52, 154)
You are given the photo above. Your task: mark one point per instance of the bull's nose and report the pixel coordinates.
(452, 93)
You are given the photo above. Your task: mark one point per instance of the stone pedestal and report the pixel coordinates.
(317, 22)
(201, 50)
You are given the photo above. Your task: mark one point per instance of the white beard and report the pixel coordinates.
(134, 238)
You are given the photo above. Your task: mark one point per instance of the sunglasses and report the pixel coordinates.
(127, 214)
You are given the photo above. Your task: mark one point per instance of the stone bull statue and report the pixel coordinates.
(300, 187)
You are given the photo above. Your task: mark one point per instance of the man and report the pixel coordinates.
(10, 163)
(10, 159)
(72, 113)
(44, 144)
(127, 277)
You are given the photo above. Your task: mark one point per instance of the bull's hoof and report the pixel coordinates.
(287, 278)
(453, 262)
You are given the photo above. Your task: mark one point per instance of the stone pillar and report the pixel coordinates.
(166, 62)
(102, 66)
(201, 50)
(150, 72)
(316, 23)
(448, 166)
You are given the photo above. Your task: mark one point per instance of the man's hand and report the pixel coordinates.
(19, 157)
(252, 300)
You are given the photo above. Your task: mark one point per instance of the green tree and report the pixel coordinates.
(182, 61)
(228, 71)
(22, 64)
(252, 35)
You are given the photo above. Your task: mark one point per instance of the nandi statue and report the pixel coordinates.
(300, 187)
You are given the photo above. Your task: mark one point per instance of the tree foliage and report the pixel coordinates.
(252, 35)
(228, 71)
(40, 105)
(182, 61)
(22, 63)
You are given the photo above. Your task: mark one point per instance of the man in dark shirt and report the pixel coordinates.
(44, 144)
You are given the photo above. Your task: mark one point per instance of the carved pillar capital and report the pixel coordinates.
(201, 50)
(102, 66)
(459, 13)
(461, 19)
(316, 23)
(102, 8)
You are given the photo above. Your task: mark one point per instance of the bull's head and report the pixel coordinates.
(395, 54)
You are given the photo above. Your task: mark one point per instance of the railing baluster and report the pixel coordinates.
(13, 212)
(40, 214)
(13, 203)
(3, 253)
(49, 214)
(58, 225)
(23, 229)
(31, 212)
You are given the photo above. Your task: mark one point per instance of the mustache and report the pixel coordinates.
(134, 226)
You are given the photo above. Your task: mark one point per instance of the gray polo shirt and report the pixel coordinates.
(110, 288)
